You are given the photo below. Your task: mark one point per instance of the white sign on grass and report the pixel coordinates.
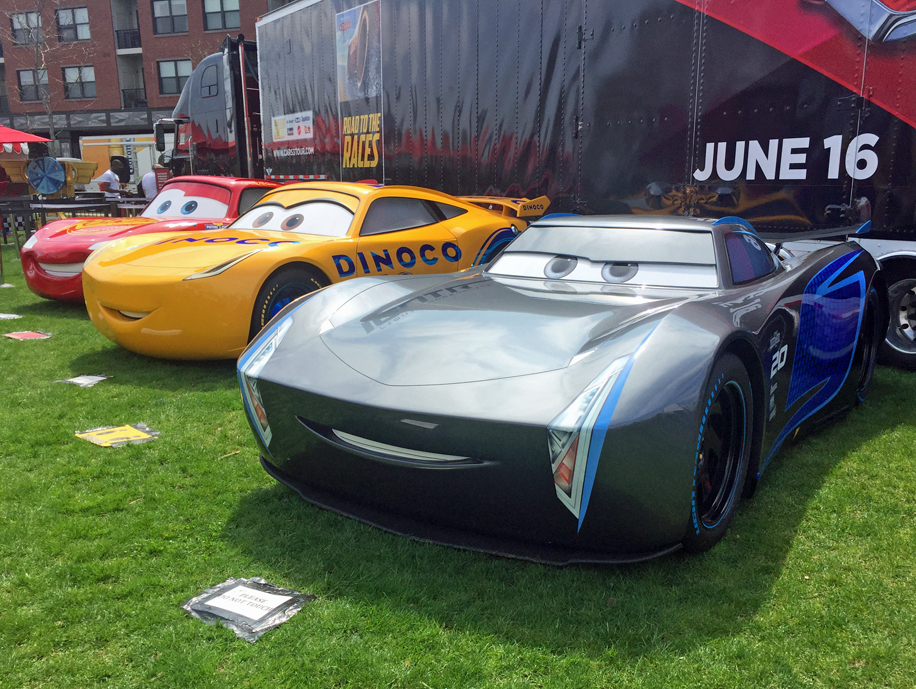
(248, 602)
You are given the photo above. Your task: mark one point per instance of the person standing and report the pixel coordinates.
(148, 183)
(110, 183)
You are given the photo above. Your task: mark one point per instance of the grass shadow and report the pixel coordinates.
(667, 606)
(58, 309)
(137, 370)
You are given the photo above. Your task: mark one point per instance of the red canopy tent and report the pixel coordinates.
(14, 139)
(14, 136)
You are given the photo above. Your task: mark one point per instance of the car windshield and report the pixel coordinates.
(189, 200)
(323, 218)
(612, 255)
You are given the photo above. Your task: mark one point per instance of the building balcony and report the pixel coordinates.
(4, 105)
(133, 98)
(127, 39)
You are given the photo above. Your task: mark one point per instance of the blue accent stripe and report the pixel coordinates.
(560, 215)
(502, 235)
(828, 385)
(735, 220)
(599, 432)
(256, 345)
(865, 229)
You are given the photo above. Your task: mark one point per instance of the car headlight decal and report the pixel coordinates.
(250, 366)
(222, 267)
(30, 242)
(570, 433)
(576, 435)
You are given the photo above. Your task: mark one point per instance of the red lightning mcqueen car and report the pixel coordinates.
(52, 259)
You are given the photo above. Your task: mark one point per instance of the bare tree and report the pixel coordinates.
(36, 25)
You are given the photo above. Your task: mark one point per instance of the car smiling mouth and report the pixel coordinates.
(61, 270)
(123, 315)
(134, 315)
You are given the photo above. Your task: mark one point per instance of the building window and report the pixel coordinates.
(73, 25)
(33, 84)
(26, 27)
(221, 14)
(172, 76)
(170, 16)
(79, 82)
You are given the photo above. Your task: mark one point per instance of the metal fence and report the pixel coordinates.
(128, 38)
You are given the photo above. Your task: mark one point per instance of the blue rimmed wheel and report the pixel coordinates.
(723, 453)
(281, 289)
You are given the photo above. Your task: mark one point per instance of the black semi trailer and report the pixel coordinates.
(798, 115)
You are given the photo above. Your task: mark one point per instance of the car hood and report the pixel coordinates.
(475, 328)
(199, 250)
(92, 230)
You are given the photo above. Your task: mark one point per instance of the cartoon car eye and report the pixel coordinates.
(619, 272)
(176, 202)
(292, 222)
(560, 266)
(262, 220)
(203, 207)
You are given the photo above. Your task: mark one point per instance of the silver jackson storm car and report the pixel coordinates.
(605, 390)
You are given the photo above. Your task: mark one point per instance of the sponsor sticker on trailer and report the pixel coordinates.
(298, 125)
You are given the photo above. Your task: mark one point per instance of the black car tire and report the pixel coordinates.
(899, 346)
(280, 289)
(723, 453)
(867, 345)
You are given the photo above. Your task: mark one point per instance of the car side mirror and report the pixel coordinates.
(159, 133)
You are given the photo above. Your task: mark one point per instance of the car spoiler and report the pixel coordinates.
(838, 233)
(511, 207)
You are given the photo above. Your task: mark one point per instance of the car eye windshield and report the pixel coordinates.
(180, 203)
(322, 218)
(580, 269)
(615, 256)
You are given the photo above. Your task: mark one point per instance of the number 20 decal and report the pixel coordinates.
(779, 360)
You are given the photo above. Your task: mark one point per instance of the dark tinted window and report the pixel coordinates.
(250, 197)
(748, 257)
(450, 211)
(393, 214)
(208, 82)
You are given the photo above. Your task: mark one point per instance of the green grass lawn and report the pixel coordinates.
(812, 587)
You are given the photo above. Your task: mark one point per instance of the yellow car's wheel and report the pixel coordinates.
(281, 288)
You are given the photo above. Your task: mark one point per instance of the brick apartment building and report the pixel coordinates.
(107, 67)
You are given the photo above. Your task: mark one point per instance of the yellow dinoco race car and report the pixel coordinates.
(204, 295)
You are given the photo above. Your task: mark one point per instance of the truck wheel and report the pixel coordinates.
(723, 453)
(281, 288)
(899, 347)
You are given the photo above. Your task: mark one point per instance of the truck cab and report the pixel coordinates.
(217, 121)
